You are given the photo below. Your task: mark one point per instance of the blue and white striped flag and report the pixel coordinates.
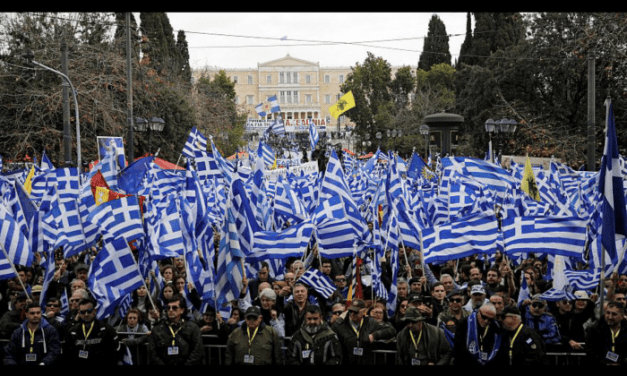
(15, 247)
(319, 282)
(613, 194)
(266, 153)
(469, 236)
(229, 272)
(119, 218)
(195, 141)
(113, 275)
(291, 242)
(553, 235)
(269, 106)
(277, 127)
(314, 137)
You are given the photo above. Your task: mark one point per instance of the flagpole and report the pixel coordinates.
(15, 271)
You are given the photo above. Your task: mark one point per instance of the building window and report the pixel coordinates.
(237, 100)
(326, 79)
(327, 98)
(295, 77)
(308, 79)
(268, 79)
(250, 80)
(249, 99)
(282, 96)
(295, 95)
(235, 79)
(341, 78)
(307, 98)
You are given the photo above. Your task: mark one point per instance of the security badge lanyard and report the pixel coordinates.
(612, 355)
(31, 357)
(248, 358)
(511, 345)
(483, 354)
(174, 350)
(84, 353)
(415, 361)
(358, 351)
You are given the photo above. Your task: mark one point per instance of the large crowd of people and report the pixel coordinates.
(470, 311)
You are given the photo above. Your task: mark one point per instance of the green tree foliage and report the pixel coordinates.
(436, 48)
(370, 84)
(220, 117)
(466, 48)
(183, 53)
(493, 32)
(541, 82)
(31, 115)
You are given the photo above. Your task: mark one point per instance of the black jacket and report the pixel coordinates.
(98, 347)
(351, 340)
(187, 340)
(323, 348)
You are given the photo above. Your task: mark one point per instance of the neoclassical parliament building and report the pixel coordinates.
(304, 90)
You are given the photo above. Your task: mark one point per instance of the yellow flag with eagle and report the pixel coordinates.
(528, 183)
(346, 102)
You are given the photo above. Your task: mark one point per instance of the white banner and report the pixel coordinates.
(307, 168)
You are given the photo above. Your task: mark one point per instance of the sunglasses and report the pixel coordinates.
(456, 300)
(86, 311)
(172, 308)
(485, 317)
(52, 305)
(537, 305)
(338, 312)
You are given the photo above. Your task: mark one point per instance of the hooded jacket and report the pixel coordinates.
(46, 345)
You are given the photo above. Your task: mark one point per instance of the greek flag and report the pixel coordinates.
(291, 242)
(469, 236)
(277, 127)
(45, 165)
(113, 275)
(68, 182)
(553, 235)
(119, 218)
(611, 187)
(15, 247)
(314, 137)
(195, 141)
(268, 107)
(229, 271)
(266, 153)
(328, 210)
(319, 282)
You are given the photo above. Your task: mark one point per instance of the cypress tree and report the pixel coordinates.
(466, 47)
(185, 71)
(436, 48)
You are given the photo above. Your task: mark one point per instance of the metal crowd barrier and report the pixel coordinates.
(215, 353)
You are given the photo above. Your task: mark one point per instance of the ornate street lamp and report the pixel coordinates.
(424, 130)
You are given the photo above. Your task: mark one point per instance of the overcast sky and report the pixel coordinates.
(241, 40)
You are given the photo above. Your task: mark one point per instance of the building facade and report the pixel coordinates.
(304, 90)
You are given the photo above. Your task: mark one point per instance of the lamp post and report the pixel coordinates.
(394, 134)
(155, 124)
(378, 136)
(29, 55)
(504, 126)
(424, 130)
(490, 127)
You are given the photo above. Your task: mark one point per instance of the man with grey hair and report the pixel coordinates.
(477, 337)
(521, 345)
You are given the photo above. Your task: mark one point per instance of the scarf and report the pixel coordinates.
(472, 341)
